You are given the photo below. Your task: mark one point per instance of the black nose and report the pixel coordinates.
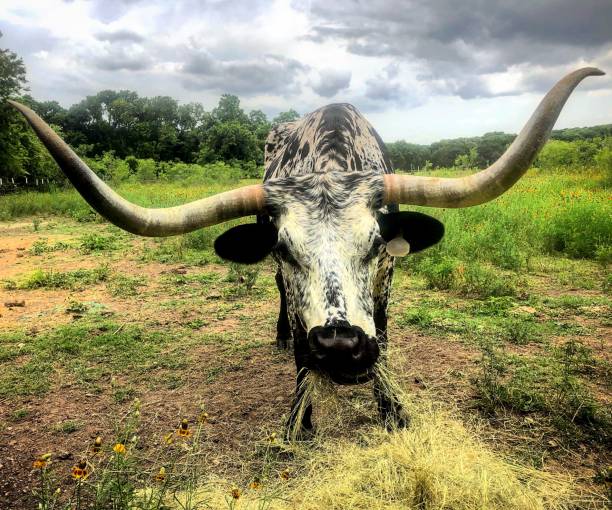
(337, 341)
(343, 352)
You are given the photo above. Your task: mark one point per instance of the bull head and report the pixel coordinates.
(337, 212)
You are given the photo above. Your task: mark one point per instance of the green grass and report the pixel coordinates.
(552, 385)
(69, 203)
(87, 350)
(508, 281)
(72, 280)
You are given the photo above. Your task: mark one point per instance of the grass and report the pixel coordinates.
(520, 284)
(86, 352)
(438, 463)
(78, 279)
(548, 385)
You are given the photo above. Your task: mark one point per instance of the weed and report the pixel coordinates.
(76, 307)
(20, 414)
(67, 426)
(243, 277)
(579, 230)
(548, 385)
(41, 246)
(481, 281)
(95, 242)
(468, 278)
(520, 330)
(78, 279)
(124, 286)
(440, 273)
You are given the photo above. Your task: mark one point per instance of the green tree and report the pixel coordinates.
(21, 153)
(228, 110)
(467, 161)
(288, 116)
(227, 141)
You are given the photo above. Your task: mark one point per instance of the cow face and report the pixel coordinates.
(328, 234)
(328, 248)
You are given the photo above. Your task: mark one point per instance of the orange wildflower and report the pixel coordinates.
(119, 448)
(42, 461)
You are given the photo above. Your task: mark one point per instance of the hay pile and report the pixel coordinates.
(435, 464)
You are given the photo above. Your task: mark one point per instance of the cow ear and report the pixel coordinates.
(248, 243)
(418, 230)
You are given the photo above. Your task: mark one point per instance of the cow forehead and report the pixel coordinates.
(332, 194)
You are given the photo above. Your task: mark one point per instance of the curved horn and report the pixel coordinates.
(169, 221)
(500, 176)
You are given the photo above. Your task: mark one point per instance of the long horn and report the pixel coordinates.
(169, 221)
(500, 176)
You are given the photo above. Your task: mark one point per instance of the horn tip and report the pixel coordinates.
(594, 71)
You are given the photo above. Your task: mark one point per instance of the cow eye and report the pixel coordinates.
(374, 249)
(283, 251)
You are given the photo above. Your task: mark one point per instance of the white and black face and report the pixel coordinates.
(329, 239)
(328, 247)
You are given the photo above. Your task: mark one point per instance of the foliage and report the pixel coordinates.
(568, 147)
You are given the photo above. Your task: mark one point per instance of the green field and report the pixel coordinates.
(501, 336)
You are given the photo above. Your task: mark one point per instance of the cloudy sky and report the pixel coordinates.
(421, 70)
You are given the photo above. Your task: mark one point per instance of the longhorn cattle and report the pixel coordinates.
(328, 214)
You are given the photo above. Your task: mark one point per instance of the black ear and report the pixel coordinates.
(419, 230)
(248, 243)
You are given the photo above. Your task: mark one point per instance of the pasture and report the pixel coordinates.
(501, 339)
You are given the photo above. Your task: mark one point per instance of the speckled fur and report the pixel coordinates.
(324, 186)
(324, 189)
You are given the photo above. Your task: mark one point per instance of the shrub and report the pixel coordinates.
(579, 230)
(480, 281)
(440, 273)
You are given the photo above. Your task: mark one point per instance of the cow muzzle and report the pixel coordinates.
(343, 352)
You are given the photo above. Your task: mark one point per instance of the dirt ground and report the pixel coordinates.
(246, 395)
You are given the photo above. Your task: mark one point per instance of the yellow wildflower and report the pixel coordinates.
(97, 445)
(255, 484)
(161, 475)
(119, 448)
(81, 470)
(184, 430)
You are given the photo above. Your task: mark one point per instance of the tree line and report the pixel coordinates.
(120, 133)
(481, 151)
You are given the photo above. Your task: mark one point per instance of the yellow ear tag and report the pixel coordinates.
(398, 247)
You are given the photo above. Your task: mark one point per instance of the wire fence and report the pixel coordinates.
(18, 184)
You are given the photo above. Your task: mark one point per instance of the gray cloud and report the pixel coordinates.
(455, 43)
(120, 56)
(120, 36)
(332, 81)
(270, 74)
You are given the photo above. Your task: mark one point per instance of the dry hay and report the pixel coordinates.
(435, 464)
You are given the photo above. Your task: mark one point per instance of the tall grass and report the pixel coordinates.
(67, 202)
